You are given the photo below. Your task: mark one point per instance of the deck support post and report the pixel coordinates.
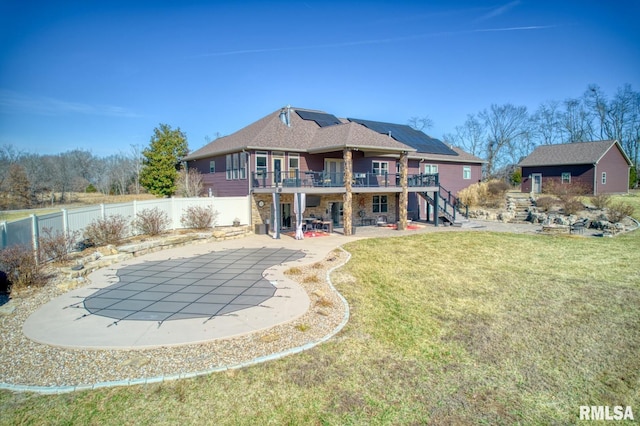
(404, 195)
(348, 195)
(436, 208)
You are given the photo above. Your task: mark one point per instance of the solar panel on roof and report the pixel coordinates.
(322, 119)
(409, 136)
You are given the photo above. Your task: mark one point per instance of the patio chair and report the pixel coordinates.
(381, 221)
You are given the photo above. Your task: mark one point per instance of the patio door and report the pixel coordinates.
(285, 215)
(536, 183)
(337, 210)
(335, 171)
(277, 159)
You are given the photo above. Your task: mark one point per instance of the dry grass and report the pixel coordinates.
(446, 328)
(77, 200)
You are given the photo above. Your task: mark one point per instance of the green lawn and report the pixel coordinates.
(445, 328)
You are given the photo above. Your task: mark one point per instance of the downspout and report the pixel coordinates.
(595, 179)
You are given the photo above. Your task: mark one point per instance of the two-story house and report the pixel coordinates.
(353, 172)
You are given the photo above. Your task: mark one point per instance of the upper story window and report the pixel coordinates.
(236, 166)
(294, 163)
(261, 163)
(380, 167)
(212, 166)
(430, 169)
(466, 172)
(566, 177)
(604, 178)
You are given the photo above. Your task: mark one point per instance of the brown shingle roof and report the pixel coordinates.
(569, 154)
(354, 135)
(270, 133)
(462, 157)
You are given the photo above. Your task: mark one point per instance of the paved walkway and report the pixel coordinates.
(198, 293)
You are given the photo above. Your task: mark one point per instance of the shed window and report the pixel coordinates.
(604, 178)
(566, 177)
(212, 166)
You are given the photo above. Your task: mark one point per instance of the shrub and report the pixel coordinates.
(497, 188)
(109, 230)
(198, 217)
(601, 201)
(56, 246)
(571, 205)
(516, 177)
(568, 193)
(545, 203)
(151, 221)
(619, 211)
(485, 194)
(21, 268)
(565, 191)
(473, 195)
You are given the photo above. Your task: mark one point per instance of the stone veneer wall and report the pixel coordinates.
(361, 202)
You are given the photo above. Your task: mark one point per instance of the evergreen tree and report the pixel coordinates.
(161, 158)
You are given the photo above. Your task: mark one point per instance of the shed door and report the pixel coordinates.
(536, 183)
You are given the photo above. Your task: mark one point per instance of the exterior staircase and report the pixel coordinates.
(448, 207)
(521, 205)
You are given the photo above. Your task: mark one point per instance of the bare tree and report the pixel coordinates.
(575, 122)
(506, 126)
(189, 183)
(19, 187)
(8, 156)
(420, 123)
(136, 166)
(546, 124)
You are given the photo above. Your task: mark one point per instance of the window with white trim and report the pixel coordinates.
(430, 169)
(380, 167)
(212, 166)
(466, 172)
(294, 163)
(604, 178)
(261, 163)
(566, 177)
(236, 166)
(380, 204)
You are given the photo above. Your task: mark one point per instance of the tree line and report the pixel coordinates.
(505, 134)
(31, 180)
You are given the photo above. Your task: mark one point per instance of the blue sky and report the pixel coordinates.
(100, 76)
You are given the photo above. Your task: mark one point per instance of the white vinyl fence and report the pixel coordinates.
(70, 222)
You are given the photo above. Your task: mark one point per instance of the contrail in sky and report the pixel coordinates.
(369, 42)
(498, 11)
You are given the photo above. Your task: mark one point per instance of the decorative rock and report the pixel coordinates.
(7, 309)
(136, 362)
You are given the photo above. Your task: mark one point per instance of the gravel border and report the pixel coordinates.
(33, 367)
